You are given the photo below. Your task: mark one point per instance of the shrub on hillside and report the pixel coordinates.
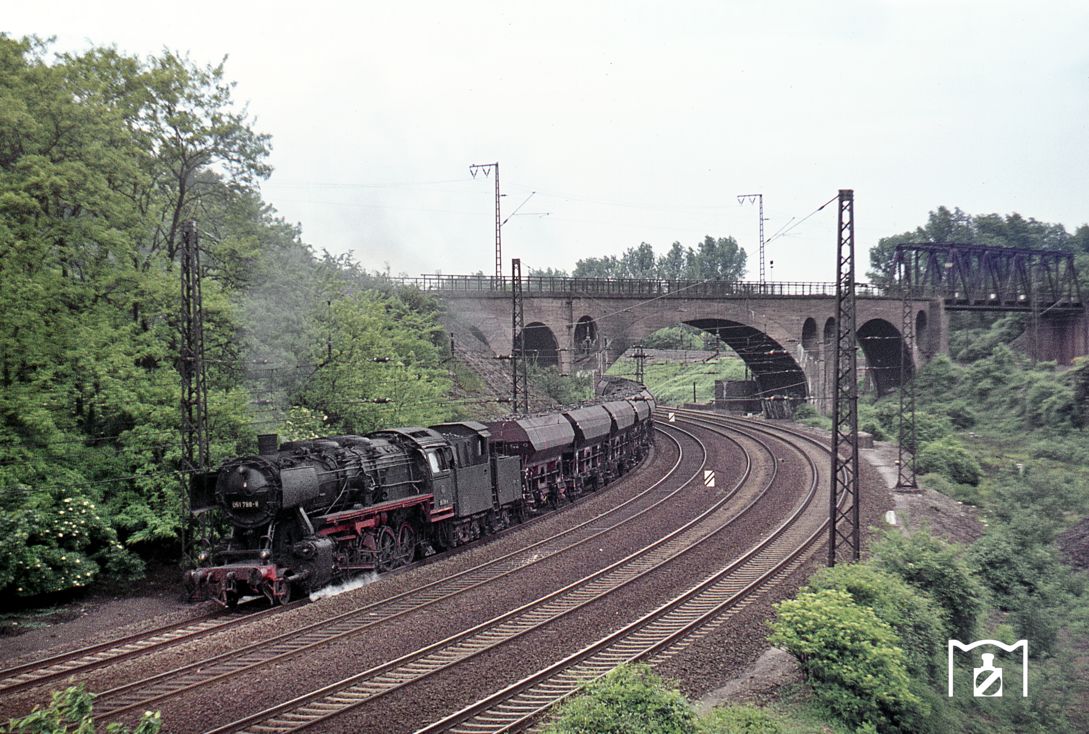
(930, 427)
(851, 659)
(1026, 579)
(940, 376)
(870, 421)
(939, 569)
(912, 614)
(961, 414)
(968, 493)
(950, 459)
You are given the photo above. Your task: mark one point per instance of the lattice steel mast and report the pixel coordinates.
(905, 463)
(844, 540)
(194, 379)
(759, 198)
(486, 168)
(519, 393)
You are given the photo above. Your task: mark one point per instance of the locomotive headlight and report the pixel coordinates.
(265, 554)
(202, 556)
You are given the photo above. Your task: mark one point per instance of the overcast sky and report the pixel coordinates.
(633, 121)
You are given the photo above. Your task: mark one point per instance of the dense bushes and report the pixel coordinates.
(632, 699)
(915, 618)
(939, 570)
(949, 459)
(51, 543)
(871, 636)
(629, 700)
(851, 658)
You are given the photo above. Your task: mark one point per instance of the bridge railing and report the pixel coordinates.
(637, 287)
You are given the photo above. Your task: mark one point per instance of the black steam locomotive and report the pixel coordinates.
(307, 513)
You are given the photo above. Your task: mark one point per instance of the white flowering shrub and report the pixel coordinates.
(56, 542)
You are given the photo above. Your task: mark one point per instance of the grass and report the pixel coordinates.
(671, 382)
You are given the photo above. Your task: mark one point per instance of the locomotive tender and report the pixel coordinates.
(307, 513)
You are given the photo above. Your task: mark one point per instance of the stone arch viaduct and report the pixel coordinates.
(784, 332)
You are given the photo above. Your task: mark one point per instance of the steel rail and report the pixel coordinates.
(139, 694)
(90, 657)
(99, 655)
(519, 705)
(317, 707)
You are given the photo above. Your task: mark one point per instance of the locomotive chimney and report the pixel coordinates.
(267, 443)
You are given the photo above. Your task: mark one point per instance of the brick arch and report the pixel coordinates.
(810, 340)
(542, 346)
(585, 334)
(773, 367)
(882, 344)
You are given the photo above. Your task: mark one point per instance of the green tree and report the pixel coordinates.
(673, 265)
(717, 259)
(101, 156)
(382, 367)
(711, 259)
(598, 267)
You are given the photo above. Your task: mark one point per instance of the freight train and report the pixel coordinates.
(304, 514)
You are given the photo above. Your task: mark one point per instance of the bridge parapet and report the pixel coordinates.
(485, 285)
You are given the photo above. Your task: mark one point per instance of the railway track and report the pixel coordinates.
(139, 695)
(85, 660)
(316, 708)
(661, 633)
(91, 657)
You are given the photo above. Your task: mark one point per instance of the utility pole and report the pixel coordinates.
(487, 169)
(759, 199)
(843, 507)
